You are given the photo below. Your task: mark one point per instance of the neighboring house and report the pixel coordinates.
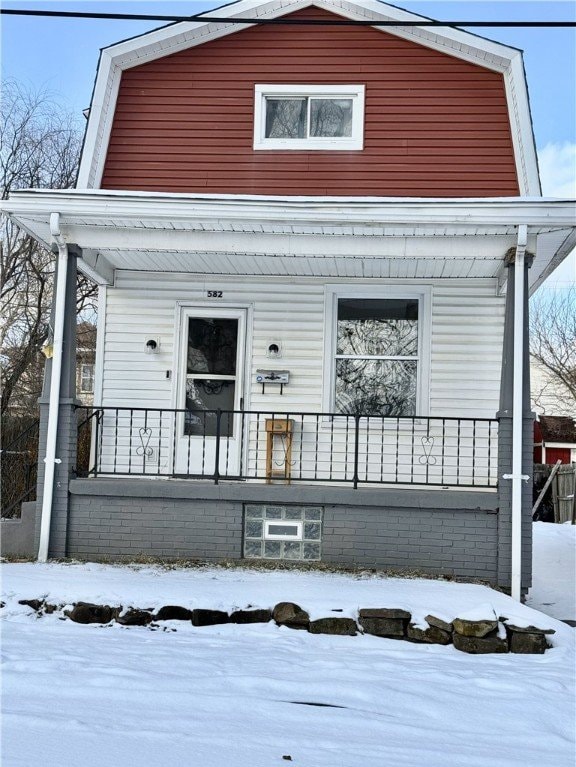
(315, 246)
(555, 439)
(85, 362)
(548, 393)
(24, 399)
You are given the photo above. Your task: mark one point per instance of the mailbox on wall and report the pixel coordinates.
(280, 377)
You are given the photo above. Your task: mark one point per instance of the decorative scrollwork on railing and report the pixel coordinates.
(427, 445)
(144, 450)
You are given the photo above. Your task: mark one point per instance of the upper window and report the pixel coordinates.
(87, 378)
(377, 356)
(329, 117)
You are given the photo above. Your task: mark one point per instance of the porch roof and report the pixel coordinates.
(298, 236)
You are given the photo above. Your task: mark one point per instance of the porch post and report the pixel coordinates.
(505, 417)
(66, 428)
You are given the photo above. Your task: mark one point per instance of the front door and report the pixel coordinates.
(210, 390)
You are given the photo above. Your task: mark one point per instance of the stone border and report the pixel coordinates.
(470, 636)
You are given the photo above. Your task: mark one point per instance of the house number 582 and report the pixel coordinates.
(214, 293)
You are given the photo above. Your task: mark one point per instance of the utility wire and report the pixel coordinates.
(282, 21)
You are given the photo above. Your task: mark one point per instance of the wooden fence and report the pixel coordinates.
(563, 492)
(558, 502)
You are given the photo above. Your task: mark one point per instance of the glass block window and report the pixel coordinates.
(282, 532)
(377, 355)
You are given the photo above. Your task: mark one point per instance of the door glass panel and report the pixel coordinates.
(203, 397)
(212, 345)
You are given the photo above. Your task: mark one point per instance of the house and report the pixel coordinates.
(315, 243)
(549, 395)
(85, 361)
(554, 439)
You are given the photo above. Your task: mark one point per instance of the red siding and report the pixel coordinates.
(554, 454)
(434, 125)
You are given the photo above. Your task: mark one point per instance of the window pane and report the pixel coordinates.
(331, 117)
(387, 327)
(291, 530)
(212, 346)
(208, 395)
(87, 379)
(286, 118)
(376, 387)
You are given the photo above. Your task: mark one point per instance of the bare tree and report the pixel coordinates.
(553, 347)
(39, 148)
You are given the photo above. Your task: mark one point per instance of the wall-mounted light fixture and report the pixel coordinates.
(48, 350)
(152, 345)
(274, 350)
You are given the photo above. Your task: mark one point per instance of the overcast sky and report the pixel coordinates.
(61, 55)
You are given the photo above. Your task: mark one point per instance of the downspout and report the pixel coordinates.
(517, 413)
(56, 373)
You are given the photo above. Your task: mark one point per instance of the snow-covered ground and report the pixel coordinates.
(554, 570)
(235, 694)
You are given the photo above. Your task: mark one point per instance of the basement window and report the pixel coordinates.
(282, 532)
(304, 117)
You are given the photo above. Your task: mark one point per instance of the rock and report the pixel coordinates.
(529, 644)
(528, 629)
(568, 621)
(491, 643)
(291, 615)
(134, 617)
(85, 612)
(383, 627)
(432, 620)
(430, 635)
(2, 604)
(49, 609)
(209, 617)
(393, 613)
(251, 616)
(173, 613)
(476, 629)
(340, 626)
(528, 640)
(35, 604)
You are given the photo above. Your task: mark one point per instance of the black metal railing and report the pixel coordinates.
(18, 466)
(289, 446)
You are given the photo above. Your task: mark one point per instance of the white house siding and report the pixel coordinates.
(464, 371)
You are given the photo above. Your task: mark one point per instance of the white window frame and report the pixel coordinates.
(422, 293)
(329, 143)
(298, 523)
(93, 377)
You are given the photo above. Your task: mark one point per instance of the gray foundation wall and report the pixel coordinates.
(453, 533)
(17, 535)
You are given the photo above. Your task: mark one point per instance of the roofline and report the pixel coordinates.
(31, 210)
(488, 211)
(178, 36)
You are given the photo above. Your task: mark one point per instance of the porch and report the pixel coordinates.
(297, 277)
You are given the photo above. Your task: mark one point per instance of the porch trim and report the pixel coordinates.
(253, 492)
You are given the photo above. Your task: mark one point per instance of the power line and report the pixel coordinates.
(281, 21)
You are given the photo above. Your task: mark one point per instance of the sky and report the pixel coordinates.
(61, 56)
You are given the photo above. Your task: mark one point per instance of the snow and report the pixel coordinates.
(235, 694)
(554, 570)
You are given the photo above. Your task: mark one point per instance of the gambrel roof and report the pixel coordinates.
(180, 36)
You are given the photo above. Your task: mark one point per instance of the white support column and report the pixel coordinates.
(54, 405)
(517, 414)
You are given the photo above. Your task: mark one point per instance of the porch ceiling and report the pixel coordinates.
(243, 235)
